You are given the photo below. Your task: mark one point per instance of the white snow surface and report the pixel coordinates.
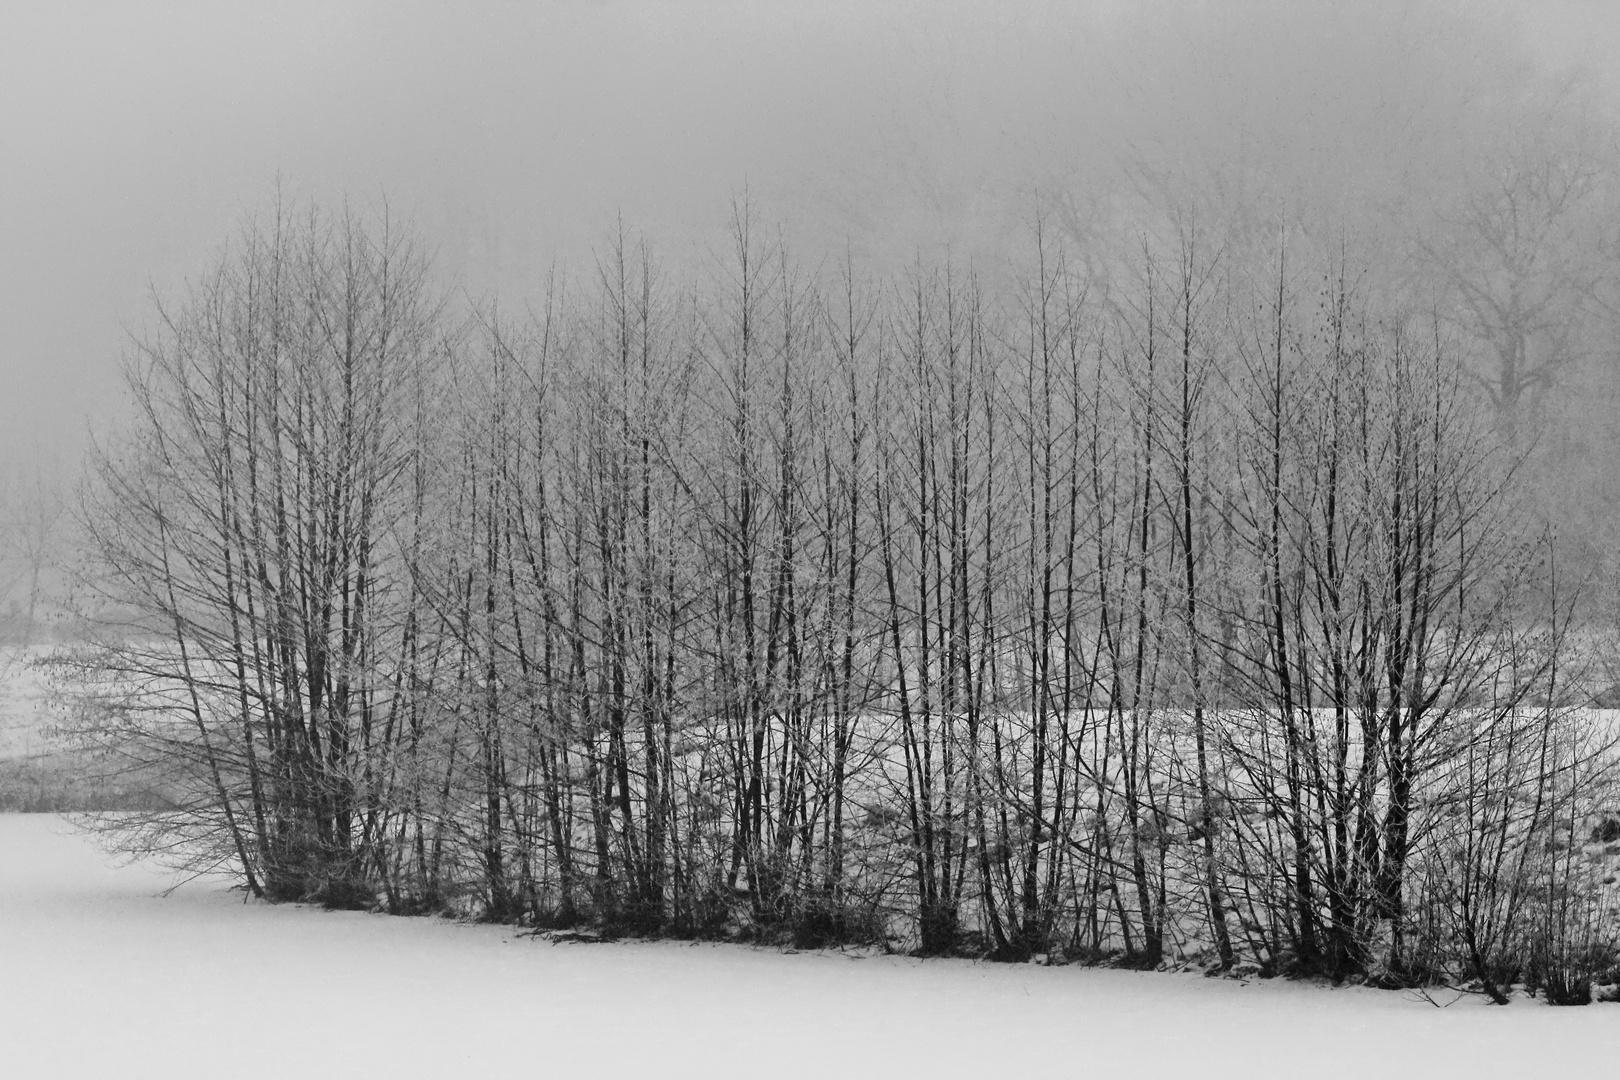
(101, 975)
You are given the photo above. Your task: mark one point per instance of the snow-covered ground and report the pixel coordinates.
(101, 975)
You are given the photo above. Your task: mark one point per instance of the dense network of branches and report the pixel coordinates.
(1193, 617)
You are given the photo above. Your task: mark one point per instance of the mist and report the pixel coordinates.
(1112, 484)
(514, 137)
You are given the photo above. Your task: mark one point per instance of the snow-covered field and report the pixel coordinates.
(101, 975)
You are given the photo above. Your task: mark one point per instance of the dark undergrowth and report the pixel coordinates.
(56, 783)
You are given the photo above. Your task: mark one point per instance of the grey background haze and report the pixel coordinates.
(136, 136)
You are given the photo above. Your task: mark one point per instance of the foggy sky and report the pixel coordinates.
(133, 140)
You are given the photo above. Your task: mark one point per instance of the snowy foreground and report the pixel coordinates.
(101, 975)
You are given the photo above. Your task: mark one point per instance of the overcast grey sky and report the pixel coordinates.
(132, 137)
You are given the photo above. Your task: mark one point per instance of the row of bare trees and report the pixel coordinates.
(1191, 618)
